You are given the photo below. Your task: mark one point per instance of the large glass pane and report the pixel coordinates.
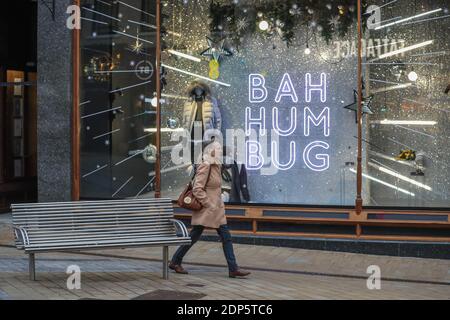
(406, 60)
(117, 86)
(289, 67)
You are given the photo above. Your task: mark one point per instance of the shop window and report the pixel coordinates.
(277, 82)
(406, 74)
(286, 67)
(117, 83)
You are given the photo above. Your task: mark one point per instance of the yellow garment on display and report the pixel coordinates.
(214, 69)
(408, 155)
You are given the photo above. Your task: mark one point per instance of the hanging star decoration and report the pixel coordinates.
(138, 45)
(216, 50)
(366, 102)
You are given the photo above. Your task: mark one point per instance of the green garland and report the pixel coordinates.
(284, 17)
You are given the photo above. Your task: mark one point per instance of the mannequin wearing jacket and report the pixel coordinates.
(234, 176)
(200, 114)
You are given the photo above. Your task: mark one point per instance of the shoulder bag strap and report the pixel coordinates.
(207, 179)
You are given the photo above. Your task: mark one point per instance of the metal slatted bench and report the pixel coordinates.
(82, 225)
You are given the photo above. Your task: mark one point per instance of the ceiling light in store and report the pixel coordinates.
(412, 76)
(399, 176)
(405, 122)
(184, 55)
(263, 25)
(408, 19)
(385, 183)
(405, 49)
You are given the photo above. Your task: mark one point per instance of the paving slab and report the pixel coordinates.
(277, 273)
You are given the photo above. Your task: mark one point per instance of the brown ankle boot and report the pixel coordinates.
(177, 268)
(239, 273)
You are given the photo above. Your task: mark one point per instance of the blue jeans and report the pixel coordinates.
(224, 234)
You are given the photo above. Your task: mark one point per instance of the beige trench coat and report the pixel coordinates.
(212, 215)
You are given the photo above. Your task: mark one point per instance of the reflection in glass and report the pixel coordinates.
(117, 87)
(406, 60)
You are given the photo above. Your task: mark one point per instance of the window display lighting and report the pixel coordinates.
(184, 55)
(408, 19)
(385, 183)
(196, 75)
(405, 49)
(400, 176)
(405, 122)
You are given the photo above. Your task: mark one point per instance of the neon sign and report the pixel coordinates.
(315, 118)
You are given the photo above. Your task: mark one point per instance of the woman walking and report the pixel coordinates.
(207, 189)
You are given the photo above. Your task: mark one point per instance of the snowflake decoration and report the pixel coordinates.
(138, 45)
(334, 22)
(241, 24)
(295, 12)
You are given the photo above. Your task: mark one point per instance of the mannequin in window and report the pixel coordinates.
(200, 114)
(234, 178)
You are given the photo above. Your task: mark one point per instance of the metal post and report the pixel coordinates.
(359, 201)
(31, 267)
(2, 133)
(165, 262)
(158, 104)
(75, 147)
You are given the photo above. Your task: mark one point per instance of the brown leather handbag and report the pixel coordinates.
(187, 200)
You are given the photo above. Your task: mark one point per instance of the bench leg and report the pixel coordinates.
(165, 262)
(31, 266)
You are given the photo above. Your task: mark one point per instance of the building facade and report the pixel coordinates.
(114, 92)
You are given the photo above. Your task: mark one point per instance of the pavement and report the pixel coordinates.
(277, 273)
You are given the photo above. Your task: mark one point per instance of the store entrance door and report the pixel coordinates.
(18, 103)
